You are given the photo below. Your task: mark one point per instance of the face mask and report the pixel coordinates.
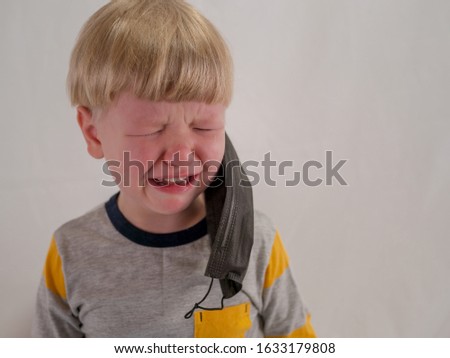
(229, 215)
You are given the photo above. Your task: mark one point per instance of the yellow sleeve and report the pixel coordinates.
(53, 271)
(283, 306)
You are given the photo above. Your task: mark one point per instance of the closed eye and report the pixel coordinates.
(204, 129)
(207, 129)
(146, 134)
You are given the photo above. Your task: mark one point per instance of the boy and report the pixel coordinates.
(151, 80)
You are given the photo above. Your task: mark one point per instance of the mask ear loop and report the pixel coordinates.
(197, 305)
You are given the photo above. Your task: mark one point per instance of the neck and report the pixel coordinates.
(160, 223)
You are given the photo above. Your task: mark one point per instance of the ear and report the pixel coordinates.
(89, 130)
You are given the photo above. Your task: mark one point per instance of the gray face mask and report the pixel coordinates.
(229, 215)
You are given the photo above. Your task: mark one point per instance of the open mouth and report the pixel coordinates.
(165, 182)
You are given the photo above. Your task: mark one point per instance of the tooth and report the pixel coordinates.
(172, 180)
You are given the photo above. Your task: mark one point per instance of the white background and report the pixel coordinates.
(369, 80)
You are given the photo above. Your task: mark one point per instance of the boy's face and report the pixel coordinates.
(162, 155)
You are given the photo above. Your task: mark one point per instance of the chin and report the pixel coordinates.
(173, 207)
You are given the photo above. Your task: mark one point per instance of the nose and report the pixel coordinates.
(179, 154)
(179, 158)
(178, 144)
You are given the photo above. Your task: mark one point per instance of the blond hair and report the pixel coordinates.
(161, 50)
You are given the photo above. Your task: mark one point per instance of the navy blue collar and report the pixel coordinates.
(146, 238)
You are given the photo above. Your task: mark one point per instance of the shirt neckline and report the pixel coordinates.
(145, 238)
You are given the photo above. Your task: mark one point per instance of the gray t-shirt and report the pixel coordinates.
(104, 277)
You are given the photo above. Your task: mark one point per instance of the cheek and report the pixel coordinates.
(212, 149)
(211, 154)
(131, 162)
(132, 152)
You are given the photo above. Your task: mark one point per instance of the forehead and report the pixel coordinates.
(136, 110)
